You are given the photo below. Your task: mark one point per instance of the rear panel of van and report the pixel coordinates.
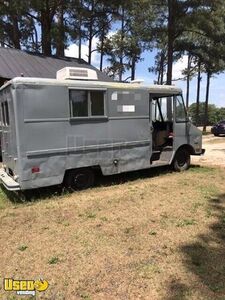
(8, 138)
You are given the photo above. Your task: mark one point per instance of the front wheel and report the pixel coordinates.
(182, 160)
(79, 179)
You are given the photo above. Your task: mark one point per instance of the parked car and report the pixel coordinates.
(218, 128)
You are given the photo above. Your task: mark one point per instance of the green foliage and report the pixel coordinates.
(121, 46)
(22, 247)
(186, 222)
(53, 260)
(215, 114)
(125, 46)
(173, 28)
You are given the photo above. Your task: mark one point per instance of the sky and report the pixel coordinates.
(217, 90)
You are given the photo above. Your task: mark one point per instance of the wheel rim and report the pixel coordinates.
(181, 159)
(81, 180)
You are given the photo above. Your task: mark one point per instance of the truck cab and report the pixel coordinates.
(174, 136)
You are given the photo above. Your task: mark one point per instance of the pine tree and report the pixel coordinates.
(15, 28)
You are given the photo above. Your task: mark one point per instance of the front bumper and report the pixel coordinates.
(8, 181)
(201, 153)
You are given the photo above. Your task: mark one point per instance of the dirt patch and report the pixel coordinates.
(215, 151)
(150, 238)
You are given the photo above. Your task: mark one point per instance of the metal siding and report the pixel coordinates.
(55, 146)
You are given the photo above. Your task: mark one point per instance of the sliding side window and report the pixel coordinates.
(79, 103)
(85, 103)
(5, 113)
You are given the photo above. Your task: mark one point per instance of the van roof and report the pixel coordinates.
(170, 89)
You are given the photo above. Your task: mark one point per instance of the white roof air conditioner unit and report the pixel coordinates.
(76, 73)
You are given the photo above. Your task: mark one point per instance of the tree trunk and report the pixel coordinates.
(162, 60)
(159, 76)
(122, 38)
(79, 47)
(90, 45)
(133, 68)
(101, 50)
(80, 33)
(60, 44)
(161, 68)
(101, 60)
(162, 77)
(35, 38)
(169, 65)
(15, 32)
(170, 35)
(46, 35)
(198, 93)
(188, 81)
(46, 24)
(90, 33)
(206, 102)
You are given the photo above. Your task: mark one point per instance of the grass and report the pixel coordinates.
(85, 296)
(53, 260)
(201, 170)
(150, 235)
(148, 270)
(22, 247)
(152, 232)
(186, 222)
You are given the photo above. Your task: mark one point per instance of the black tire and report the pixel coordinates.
(79, 179)
(216, 134)
(182, 160)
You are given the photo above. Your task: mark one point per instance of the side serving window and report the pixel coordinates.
(181, 114)
(84, 103)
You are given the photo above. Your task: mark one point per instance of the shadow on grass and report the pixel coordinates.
(205, 259)
(177, 290)
(101, 181)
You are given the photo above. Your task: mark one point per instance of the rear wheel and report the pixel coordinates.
(79, 179)
(216, 134)
(182, 160)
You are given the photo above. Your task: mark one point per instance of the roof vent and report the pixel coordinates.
(76, 73)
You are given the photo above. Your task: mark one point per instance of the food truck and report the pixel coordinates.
(60, 131)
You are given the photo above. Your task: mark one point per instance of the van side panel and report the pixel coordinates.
(9, 131)
(52, 141)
